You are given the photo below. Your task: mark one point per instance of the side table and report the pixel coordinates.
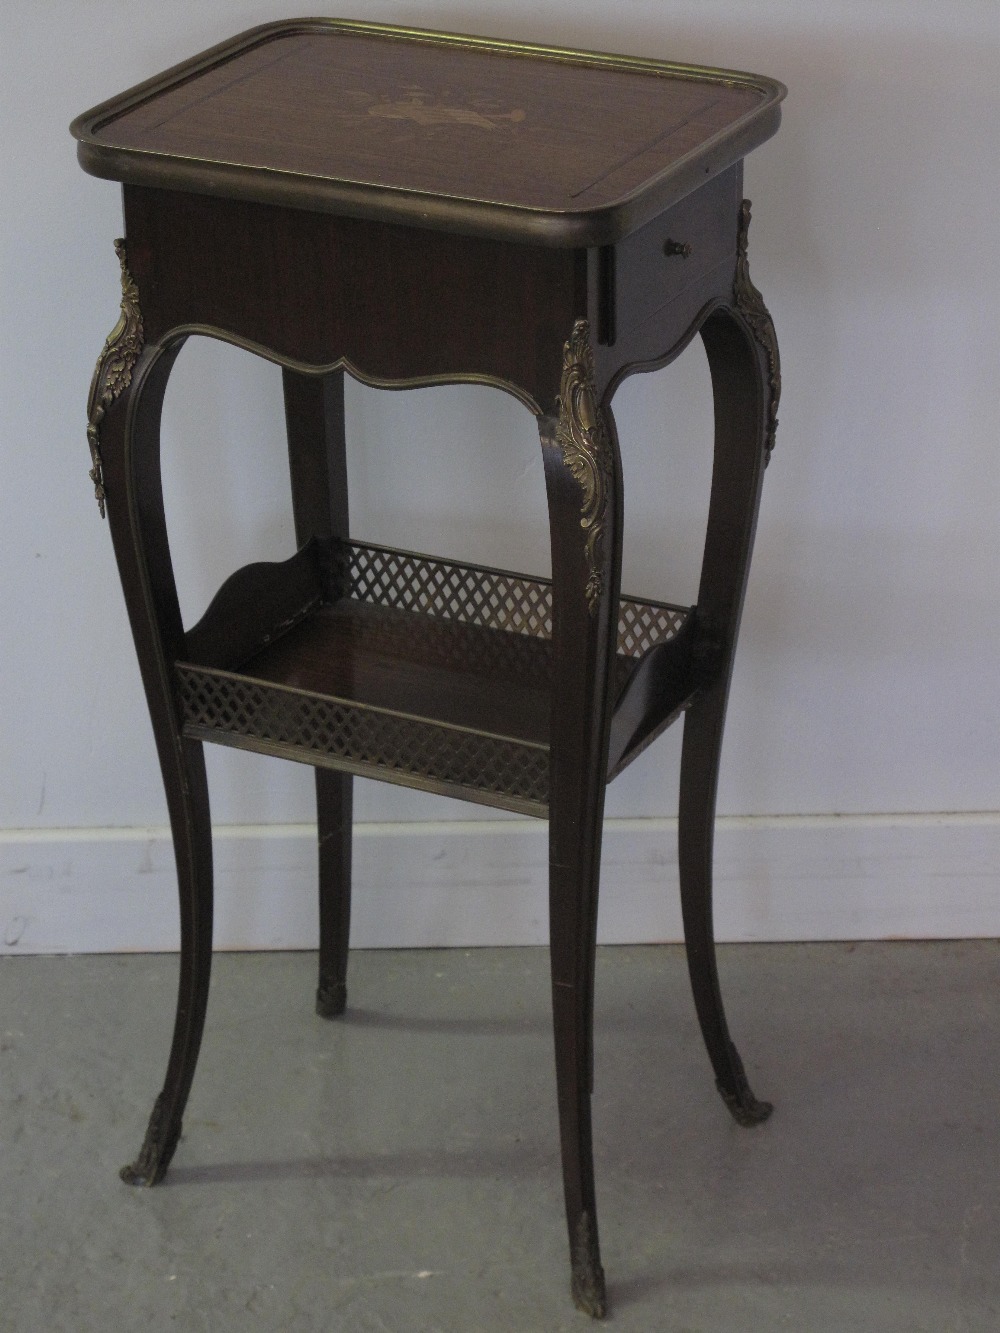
(421, 208)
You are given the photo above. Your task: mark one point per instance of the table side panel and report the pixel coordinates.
(652, 268)
(396, 303)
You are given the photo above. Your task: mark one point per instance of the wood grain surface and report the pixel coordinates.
(458, 133)
(502, 128)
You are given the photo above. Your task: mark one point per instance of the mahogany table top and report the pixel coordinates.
(466, 134)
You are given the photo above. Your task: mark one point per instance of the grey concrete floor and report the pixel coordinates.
(398, 1169)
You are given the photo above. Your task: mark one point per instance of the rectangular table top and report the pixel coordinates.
(434, 129)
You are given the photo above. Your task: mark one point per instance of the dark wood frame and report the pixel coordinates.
(560, 328)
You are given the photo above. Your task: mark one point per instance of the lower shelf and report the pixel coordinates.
(404, 679)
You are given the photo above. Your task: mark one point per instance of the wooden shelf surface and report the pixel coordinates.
(462, 675)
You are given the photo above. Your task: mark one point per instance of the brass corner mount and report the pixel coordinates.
(113, 372)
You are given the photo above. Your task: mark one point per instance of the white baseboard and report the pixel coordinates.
(484, 882)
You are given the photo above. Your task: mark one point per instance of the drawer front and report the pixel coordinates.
(654, 266)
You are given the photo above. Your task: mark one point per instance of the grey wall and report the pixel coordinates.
(868, 673)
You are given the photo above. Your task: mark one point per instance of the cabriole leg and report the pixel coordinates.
(133, 469)
(583, 485)
(187, 795)
(124, 433)
(745, 399)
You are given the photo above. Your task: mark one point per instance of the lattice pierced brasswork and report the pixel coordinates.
(493, 598)
(466, 593)
(374, 738)
(641, 625)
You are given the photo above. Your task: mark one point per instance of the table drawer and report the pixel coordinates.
(654, 265)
